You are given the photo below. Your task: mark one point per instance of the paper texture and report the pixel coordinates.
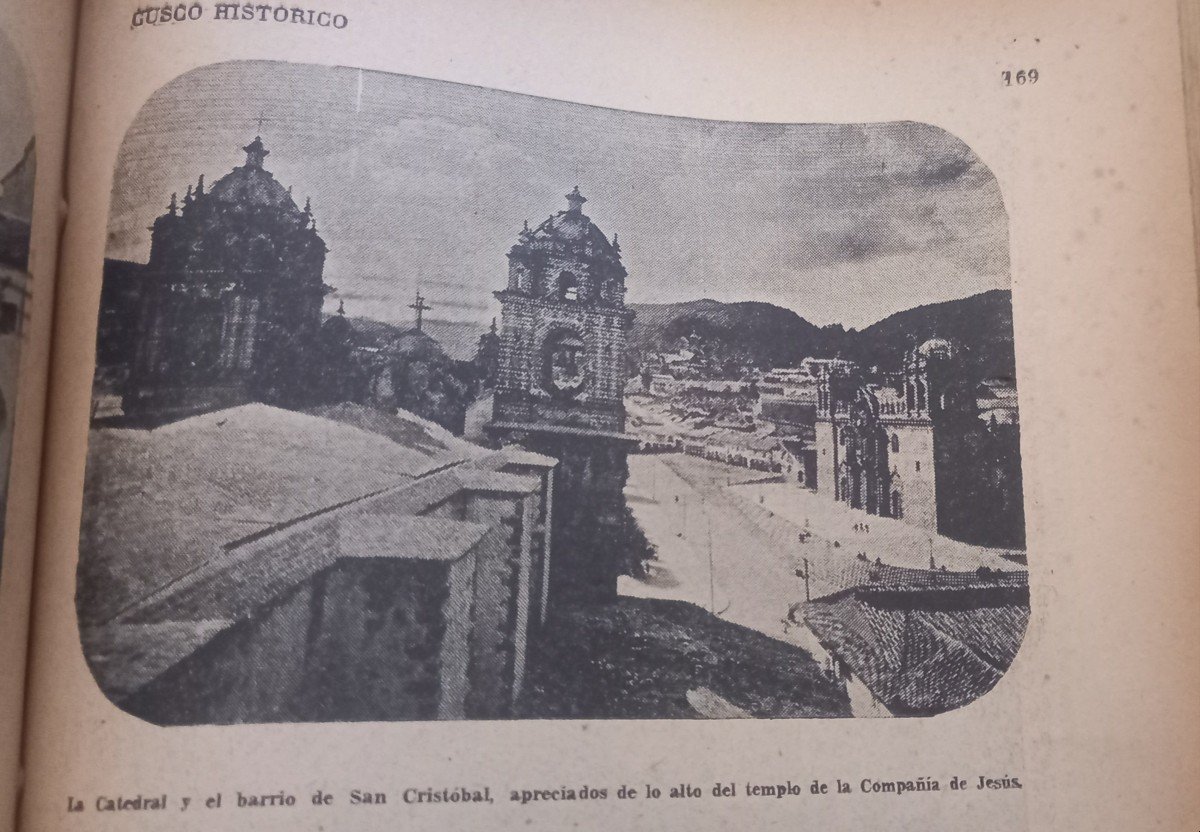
(898, 157)
(35, 66)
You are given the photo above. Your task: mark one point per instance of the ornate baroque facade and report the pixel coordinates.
(913, 446)
(229, 305)
(560, 383)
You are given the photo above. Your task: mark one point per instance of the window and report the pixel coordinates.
(918, 465)
(9, 314)
(568, 286)
(895, 443)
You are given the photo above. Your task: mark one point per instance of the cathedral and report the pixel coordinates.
(916, 446)
(228, 308)
(560, 385)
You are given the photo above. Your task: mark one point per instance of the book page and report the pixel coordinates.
(36, 50)
(543, 416)
(1189, 24)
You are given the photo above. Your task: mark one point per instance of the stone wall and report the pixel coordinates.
(916, 470)
(827, 459)
(415, 603)
(366, 639)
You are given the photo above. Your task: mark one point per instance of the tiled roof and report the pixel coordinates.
(923, 650)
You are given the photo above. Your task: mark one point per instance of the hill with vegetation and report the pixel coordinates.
(730, 338)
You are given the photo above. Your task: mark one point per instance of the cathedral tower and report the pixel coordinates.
(560, 385)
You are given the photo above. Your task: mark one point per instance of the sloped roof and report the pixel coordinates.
(795, 412)
(923, 652)
(158, 503)
(939, 347)
(404, 428)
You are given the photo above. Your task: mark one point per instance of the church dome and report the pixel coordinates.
(938, 348)
(572, 228)
(246, 222)
(336, 327)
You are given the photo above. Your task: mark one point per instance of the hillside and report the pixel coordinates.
(729, 335)
(982, 323)
(726, 335)
(459, 339)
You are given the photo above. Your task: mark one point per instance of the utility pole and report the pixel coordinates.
(712, 579)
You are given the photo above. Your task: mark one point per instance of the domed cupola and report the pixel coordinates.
(939, 348)
(568, 259)
(236, 270)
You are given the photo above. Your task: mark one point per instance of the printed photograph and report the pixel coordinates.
(17, 166)
(416, 400)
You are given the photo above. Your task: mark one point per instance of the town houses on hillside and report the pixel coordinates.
(929, 445)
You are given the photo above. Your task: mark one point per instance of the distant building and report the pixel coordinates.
(228, 308)
(996, 400)
(789, 384)
(666, 386)
(561, 382)
(917, 446)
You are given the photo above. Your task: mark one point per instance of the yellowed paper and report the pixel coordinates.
(35, 74)
(1068, 121)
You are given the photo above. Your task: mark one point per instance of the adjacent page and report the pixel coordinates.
(35, 72)
(541, 415)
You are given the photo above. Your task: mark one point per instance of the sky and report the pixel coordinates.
(16, 113)
(425, 184)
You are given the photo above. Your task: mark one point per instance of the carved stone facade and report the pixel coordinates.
(229, 305)
(914, 447)
(560, 383)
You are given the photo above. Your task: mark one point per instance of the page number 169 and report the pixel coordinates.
(1019, 78)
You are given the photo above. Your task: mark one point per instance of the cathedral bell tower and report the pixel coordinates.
(560, 386)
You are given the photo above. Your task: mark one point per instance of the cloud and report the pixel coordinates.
(426, 183)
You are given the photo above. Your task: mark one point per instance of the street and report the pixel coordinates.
(756, 532)
(731, 540)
